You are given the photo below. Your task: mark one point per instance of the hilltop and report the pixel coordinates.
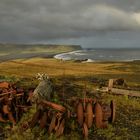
(17, 51)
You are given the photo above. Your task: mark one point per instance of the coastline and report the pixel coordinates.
(99, 55)
(60, 55)
(17, 51)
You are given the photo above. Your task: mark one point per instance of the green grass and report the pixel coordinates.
(130, 71)
(8, 49)
(73, 77)
(126, 125)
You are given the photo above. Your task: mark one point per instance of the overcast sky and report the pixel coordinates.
(90, 23)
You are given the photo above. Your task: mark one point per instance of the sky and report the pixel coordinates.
(89, 23)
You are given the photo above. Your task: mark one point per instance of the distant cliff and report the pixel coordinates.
(36, 47)
(16, 51)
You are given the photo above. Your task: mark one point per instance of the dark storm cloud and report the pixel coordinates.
(39, 20)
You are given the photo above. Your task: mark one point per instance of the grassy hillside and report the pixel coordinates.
(14, 51)
(76, 75)
(13, 48)
(29, 67)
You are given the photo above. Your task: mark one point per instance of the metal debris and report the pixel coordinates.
(54, 119)
(13, 103)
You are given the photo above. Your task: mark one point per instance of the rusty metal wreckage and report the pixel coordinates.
(13, 103)
(85, 111)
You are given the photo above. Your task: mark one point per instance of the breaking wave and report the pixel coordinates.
(101, 55)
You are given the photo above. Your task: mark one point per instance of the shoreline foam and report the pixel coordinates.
(100, 55)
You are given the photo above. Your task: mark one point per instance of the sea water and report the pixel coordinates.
(125, 54)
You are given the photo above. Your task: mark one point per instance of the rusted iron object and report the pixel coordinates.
(54, 118)
(87, 100)
(98, 115)
(35, 119)
(80, 113)
(85, 130)
(43, 120)
(11, 118)
(92, 100)
(6, 109)
(19, 94)
(113, 110)
(58, 123)
(30, 95)
(52, 124)
(23, 106)
(2, 119)
(60, 130)
(89, 115)
(4, 84)
(7, 93)
(12, 102)
(106, 112)
(54, 105)
(13, 93)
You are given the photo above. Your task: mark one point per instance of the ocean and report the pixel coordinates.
(91, 55)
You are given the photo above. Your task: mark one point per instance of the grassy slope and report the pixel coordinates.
(29, 67)
(17, 48)
(13, 51)
(127, 124)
